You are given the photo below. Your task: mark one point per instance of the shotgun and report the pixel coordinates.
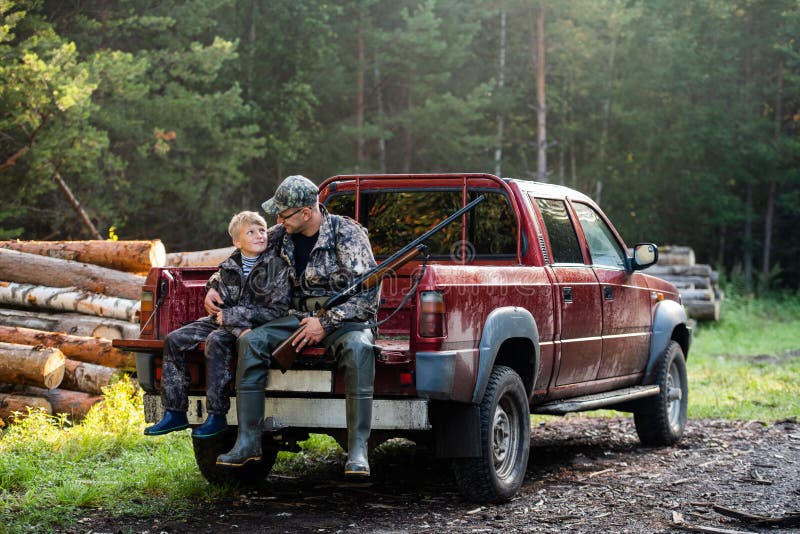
(285, 353)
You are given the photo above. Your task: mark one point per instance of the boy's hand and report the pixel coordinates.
(213, 302)
(311, 334)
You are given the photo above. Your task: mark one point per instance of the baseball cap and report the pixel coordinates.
(294, 191)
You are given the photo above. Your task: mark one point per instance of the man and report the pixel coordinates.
(326, 253)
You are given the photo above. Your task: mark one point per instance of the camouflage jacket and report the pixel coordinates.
(249, 302)
(334, 263)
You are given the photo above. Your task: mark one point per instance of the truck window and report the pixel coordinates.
(394, 218)
(602, 243)
(563, 240)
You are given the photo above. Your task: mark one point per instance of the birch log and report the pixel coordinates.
(74, 403)
(23, 364)
(200, 258)
(68, 299)
(84, 349)
(13, 402)
(76, 324)
(27, 268)
(676, 255)
(86, 377)
(128, 256)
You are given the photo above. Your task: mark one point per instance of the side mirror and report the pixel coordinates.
(644, 255)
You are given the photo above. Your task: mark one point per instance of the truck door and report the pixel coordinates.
(578, 296)
(625, 297)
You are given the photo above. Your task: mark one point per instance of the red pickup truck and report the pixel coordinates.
(529, 304)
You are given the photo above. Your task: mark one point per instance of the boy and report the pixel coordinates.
(253, 287)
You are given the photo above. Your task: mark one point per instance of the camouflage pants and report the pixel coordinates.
(175, 377)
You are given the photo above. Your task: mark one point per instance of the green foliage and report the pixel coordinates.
(165, 118)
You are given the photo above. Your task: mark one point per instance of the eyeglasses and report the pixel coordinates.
(295, 212)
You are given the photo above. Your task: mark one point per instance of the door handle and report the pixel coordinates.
(608, 292)
(567, 294)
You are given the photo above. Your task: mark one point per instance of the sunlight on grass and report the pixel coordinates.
(51, 469)
(747, 365)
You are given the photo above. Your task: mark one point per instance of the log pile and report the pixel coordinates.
(697, 283)
(61, 304)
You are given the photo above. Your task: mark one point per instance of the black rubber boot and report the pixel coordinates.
(359, 422)
(250, 411)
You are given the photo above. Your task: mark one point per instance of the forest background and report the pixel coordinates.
(163, 118)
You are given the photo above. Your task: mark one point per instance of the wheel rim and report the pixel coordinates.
(505, 437)
(674, 396)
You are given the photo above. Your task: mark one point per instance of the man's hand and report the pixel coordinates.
(213, 302)
(311, 334)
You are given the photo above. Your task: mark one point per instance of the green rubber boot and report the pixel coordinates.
(250, 411)
(359, 421)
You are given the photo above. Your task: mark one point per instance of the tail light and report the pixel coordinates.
(146, 310)
(431, 314)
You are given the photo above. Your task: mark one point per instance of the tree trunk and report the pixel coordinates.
(676, 255)
(379, 103)
(13, 402)
(86, 377)
(408, 142)
(76, 206)
(76, 324)
(74, 403)
(360, 156)
(541, 109)
(85, 349)
(773, 186)
(129, 256)
(68, 299)
(702, 310)
(34, 269)
(23, 364)
(200, 258)
(498, 149)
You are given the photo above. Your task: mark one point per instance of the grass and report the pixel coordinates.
(53, 472)
(747, 365)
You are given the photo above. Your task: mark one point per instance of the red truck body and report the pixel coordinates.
(535, 284)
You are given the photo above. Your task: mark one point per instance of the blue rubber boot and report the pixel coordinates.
(171, 422)
(215, 424)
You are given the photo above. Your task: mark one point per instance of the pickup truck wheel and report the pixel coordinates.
(661, 419)
(206, 451)
(505, 436)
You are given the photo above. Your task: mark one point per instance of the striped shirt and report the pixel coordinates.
(247, 264)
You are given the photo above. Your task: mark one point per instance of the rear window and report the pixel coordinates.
(394, 218)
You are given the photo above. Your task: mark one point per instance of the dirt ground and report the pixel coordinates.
(584, 475)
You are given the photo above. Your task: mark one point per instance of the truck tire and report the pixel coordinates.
(505, 435)
(660, 420)
(206, 451)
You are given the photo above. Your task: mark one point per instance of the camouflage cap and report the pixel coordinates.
(294, 192)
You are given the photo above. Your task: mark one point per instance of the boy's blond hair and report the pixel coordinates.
(243, 219)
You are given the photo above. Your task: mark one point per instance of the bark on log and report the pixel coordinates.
(68, 299)
(128, 256)
(697, 294)
(23, 364)
(698, 282)
(84, 349)
(76, 324)
(200, 258)
(27, 268)
(676, 255)
(13, 402)
(680, 270)
(86, 377)
(702, 310)
(74, 403)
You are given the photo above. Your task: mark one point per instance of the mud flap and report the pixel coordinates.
(456, 429)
